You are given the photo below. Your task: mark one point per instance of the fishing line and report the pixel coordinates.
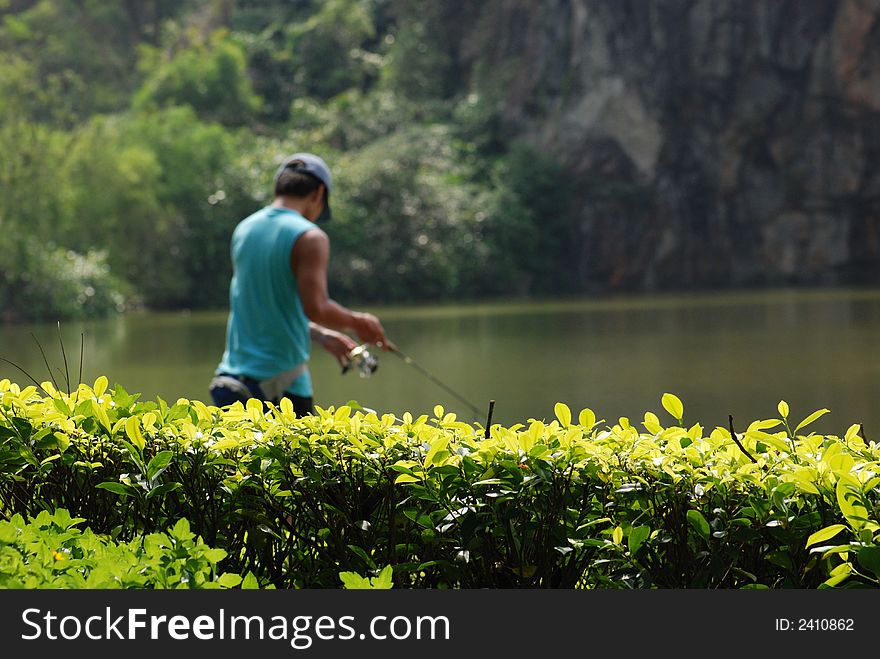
(409, 360)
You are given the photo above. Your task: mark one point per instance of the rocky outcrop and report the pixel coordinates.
(711, 142)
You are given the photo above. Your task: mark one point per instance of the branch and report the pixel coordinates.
(738, 443)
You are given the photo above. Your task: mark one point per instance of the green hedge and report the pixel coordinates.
(563, 503)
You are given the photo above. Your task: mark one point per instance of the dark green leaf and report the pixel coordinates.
(637, 537)
(159, 463)
(869, 557)
(695, 517)
(161, 490)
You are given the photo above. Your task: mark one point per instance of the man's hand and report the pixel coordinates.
(336, 343)
(370, 330)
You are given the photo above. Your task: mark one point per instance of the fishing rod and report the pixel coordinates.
(361, 358)
(409, 360)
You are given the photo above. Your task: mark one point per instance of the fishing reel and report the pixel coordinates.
(363, 360)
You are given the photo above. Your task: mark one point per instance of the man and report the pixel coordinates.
(278, 295)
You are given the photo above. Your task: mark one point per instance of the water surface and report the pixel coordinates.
(736, 353)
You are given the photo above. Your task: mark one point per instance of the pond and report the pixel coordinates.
(722, 353)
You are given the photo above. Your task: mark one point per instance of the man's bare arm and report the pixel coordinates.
(308, 260)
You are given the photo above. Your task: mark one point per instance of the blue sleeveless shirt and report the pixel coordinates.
(267, 331)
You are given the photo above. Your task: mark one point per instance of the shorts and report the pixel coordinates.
(226, 389)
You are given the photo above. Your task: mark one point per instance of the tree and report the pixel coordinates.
(209, 75)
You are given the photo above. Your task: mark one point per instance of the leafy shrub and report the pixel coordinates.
(50, 552)
(160, 193)
(558, 504)
(354, 581)
(55, 283)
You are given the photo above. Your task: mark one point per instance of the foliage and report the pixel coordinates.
(51, 552)
(83, 51)
(528, 222)
(145, 131)
(164, 193)
(566, 503)
(412, 224)
(354, 581)
(47, 282)
(419, 65)
(150, 199)
(207, 75)
(407, 220)
(325, 49)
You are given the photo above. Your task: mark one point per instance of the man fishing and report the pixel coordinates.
(278, 295)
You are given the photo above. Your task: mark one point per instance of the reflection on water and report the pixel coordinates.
(736, 353)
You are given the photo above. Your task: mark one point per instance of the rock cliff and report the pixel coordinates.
(711, 142)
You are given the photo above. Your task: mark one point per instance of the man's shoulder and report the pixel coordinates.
(312, 238)
(256, 216)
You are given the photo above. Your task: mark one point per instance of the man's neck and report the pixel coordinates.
(292, 203)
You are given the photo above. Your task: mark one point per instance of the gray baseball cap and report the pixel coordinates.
(314, 165)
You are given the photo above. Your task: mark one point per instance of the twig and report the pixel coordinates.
(28, 375)
(46, 361)
(738, 443)
(489, 420)
(64, 355)
(82, 345)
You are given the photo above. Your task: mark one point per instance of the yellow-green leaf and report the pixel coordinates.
(225, 444)
(617, 535)
(587, 418)
(100, 385)
(841, 576)
(437, 445)
(254, 409)
(132, 429)
(563, 413)
(852, 432)
(673, 405)
(652, 423)
(810, 419)
(779, 444)
(825, 534)
(841, 463)
(63, 441)
(764, 424)
(805, 479)
(342, 414)
(849, 500)
(101, 415)
(536, 431)
(783, 409)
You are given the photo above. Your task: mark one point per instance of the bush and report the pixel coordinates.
(40, 282)
(50, 552)
(408, 222)
(558, 504)
(160, 193)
